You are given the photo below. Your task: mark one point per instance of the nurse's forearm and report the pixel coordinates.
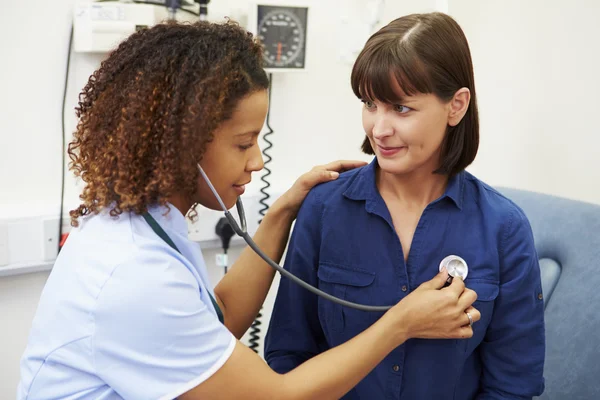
(327, 376)
(244, 288)
(333, 373)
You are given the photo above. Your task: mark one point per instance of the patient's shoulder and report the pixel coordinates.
(327, 192)
(491, 201)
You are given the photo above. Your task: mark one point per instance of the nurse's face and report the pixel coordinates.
(233, 155)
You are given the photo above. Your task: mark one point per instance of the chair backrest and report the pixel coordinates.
(567, 236)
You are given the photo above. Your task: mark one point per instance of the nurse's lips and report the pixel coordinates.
(240, 189)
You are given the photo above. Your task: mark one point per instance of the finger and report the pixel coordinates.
(438, 281)
(467, 297)
(467, 321)
(457, 286)
(329, 175)
(475, 314)
(465, 332)
(344, 165)
(323, 175)
(317, 176)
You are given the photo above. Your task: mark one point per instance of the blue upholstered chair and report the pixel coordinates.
(567, 236)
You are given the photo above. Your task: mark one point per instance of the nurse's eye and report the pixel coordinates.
(245, 147)
(369, 105)
(401, 109)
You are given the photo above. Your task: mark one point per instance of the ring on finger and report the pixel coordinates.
(470, 319)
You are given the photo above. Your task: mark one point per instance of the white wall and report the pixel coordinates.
(535, 69)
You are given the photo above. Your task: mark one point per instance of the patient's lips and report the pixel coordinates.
(390, 151)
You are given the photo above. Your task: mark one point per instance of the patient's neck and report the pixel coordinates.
(414, 190)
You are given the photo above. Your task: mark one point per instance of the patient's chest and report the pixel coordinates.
(365, 263)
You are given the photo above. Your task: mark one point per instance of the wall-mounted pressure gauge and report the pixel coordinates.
(282, 31)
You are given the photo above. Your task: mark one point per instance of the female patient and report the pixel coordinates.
(377, 232)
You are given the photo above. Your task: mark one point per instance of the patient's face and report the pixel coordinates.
(407, 136)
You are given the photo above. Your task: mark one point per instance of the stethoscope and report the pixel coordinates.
(455, 265)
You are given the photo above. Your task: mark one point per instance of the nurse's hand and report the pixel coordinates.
(293, 198)
(433, 311)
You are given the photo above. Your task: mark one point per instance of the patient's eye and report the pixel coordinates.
(369, 105)
(401, 109)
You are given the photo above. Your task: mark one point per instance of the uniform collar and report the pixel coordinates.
(169, 217)
(364, 187)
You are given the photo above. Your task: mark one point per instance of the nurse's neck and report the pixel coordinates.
(413, 190)
(181, 203)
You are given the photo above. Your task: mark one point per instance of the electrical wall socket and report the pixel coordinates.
(4, 256)
(203, 230)
(50, 239)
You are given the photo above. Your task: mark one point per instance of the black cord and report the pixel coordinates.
(255, 328)
(203, 8)
(64, 141)
(163, 3)
(268, 158)
(154, 3)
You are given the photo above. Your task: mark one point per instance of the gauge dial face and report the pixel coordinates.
(282, 32)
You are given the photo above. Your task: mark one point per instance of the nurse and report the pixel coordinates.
(128, 312)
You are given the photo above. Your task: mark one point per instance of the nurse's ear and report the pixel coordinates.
(458, 106)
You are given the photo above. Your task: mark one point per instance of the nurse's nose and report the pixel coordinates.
(255, 163)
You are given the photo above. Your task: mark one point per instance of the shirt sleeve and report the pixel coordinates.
(295, 334)
(513, 350)
(154, 336)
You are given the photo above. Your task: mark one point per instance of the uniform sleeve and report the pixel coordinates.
(295, 334)
(154, 337)
(514, 347)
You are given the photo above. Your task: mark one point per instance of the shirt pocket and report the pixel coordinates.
(347, 283)
(487, 292)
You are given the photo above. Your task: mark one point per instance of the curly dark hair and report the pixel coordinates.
(147, 114)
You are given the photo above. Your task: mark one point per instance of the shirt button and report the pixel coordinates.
(540, 296)
(404, 288)
(396, 368)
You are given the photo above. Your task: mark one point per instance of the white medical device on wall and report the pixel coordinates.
(282, 27)
(358, 20)
(98, 27)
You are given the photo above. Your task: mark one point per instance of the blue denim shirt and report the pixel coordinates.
(344, 242)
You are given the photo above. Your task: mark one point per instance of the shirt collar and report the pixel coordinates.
(364, 187)
(169, 217)
(455, 188)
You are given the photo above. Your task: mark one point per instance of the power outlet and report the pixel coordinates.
(4, 256)
(50, 239)
(203, 230)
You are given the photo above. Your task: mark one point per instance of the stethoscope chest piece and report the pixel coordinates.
(455, 266)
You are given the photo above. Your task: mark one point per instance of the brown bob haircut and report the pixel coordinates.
(425, 53)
